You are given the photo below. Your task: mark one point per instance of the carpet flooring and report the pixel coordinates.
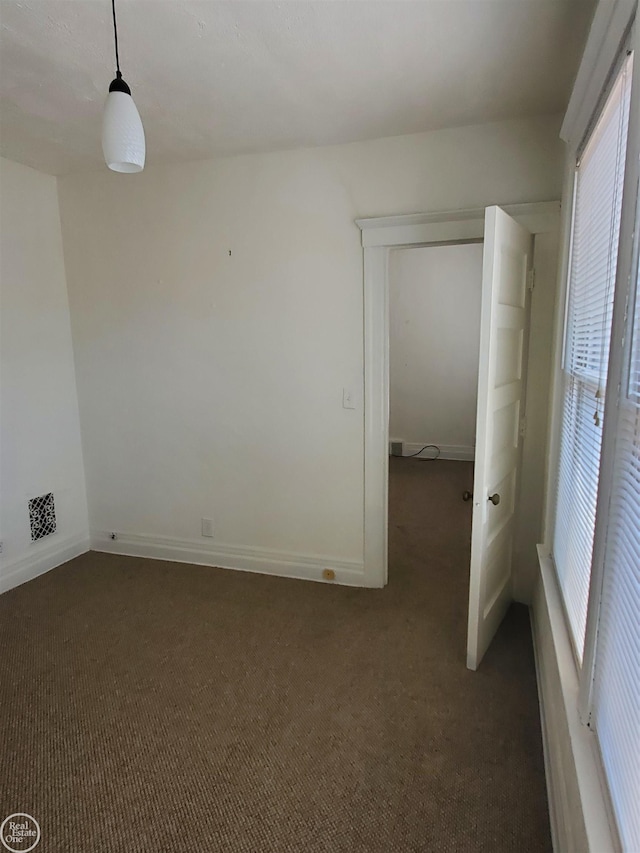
(152, 707)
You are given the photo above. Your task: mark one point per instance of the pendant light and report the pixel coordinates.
(123, 142)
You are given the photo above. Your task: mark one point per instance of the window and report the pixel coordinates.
(594, 251)
(616, 694)
(596, 537)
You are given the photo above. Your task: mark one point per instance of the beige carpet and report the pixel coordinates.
(166, 708)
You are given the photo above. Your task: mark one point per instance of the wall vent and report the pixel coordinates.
(42, 516)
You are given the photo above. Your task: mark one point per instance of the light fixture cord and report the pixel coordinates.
(115, 34)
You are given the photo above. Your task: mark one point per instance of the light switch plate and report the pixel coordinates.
(347, 399)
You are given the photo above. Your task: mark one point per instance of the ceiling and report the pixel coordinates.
(215, 77)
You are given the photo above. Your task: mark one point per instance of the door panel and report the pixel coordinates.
(507, 256)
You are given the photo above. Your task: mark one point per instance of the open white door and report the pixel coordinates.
(507, 253)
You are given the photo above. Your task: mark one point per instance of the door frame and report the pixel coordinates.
(379, 236)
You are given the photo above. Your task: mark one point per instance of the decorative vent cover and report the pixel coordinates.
(42, 515)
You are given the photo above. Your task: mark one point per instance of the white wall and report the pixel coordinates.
(40, 447)
(434, 339)
(210, 383)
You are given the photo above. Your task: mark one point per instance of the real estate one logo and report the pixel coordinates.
(20, 833)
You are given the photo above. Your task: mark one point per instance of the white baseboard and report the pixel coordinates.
(456, 452)
(578, 808)
(245, 559)
(58, 551)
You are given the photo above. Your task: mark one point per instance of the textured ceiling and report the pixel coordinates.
(227, 76)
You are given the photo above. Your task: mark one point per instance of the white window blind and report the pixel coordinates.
(592, 271)
(616, 697)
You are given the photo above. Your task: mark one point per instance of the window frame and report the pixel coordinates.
(618, 357)
(620, 33)
(563, 375)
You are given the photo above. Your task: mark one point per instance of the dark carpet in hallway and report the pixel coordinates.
(151, 707)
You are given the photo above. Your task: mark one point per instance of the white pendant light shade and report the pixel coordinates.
(123, 143)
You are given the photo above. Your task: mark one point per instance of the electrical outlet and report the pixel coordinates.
(207, 526)
(395, 448)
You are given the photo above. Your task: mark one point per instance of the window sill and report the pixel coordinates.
(578, 805)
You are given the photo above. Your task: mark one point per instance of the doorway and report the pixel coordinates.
(506, 277)
(434, 338)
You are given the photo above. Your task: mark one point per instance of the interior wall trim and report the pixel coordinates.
(42, 560)
(245, 559)
(608, 30)
(451, 226)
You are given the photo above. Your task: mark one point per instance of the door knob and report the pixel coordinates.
(495, 499)
(466, 496)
